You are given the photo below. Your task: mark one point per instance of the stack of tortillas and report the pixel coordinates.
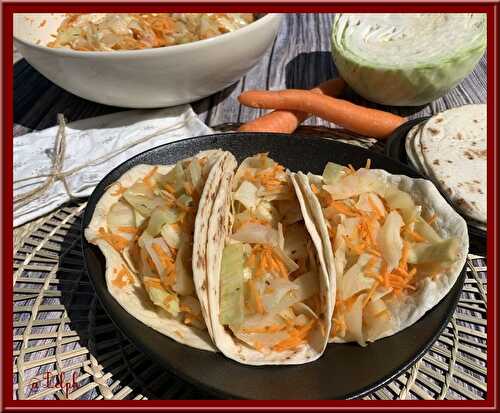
(450, 149)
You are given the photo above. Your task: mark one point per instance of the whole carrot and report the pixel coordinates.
(365, 121)
(286, 121)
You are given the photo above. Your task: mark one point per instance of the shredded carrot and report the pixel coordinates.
(357, 248)
(258, 345)
(269, 290)
(150, 262)
(118, 242)
(384, 274)
(169, 265)
(370, 293)
(123, 278)
(411, 274)
(378, 212)
(127, 229)
(266, 259)
(120, 190)
(404, 256)
(147, 178)
(169, 188)
(250, 261)
(188, 187)
(152, 281)
(182, 206)
(370, 265)
(365, 225)
(322, 328)
(431, 220)
(296, 337)
(343, 209)
(373, 252)
(401, 272)
(266, 329)
(335, 328)
(416, 236)
(259, 307)
(381, 313)
(315, 189)
(332, 232)
(168, 298)
(283, 270)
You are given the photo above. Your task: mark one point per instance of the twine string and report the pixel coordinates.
(56, 173)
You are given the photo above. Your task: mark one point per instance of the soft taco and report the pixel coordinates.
(394, 245)
(267, 285)
(151, 226)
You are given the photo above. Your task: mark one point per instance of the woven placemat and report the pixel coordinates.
(66, 347)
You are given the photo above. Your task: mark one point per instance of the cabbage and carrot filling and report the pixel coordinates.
(384, 246)
(152, 226)
(132, 31)
(269, 281)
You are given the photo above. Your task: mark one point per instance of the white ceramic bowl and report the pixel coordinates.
(148, 78)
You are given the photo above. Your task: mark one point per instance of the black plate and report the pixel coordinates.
(345, 370)
(395, 148)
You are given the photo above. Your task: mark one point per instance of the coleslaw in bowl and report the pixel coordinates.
(149, 77)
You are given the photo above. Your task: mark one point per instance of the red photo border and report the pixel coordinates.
(6, 155)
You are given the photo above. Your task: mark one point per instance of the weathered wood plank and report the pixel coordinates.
(300, 58)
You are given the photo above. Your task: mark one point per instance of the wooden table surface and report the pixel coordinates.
(299, 58)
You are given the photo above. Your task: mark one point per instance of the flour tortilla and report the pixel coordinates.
(453, 147)
(448, 224)
(412, 146)
(133, 297)
(219, 228)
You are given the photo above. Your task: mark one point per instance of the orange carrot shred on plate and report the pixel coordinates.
(286, 121)
(128, 229)
(416, 236)
(365, 121)
(431, 220)
(169, 188)
(120, 190)
(375, 208)
(147, 178)
(118, 242)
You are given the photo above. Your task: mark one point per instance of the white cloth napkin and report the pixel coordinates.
(93, 147)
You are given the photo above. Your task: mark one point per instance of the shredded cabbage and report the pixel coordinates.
(256, 234)
(354, 279)
(332, 173)
(390, 241)
(142, 198)
(171, 236)
(161, 217)
(121, 215)
(247, 195)
(231, 285)
(441, 251)
(164, 299)
(183, 274)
